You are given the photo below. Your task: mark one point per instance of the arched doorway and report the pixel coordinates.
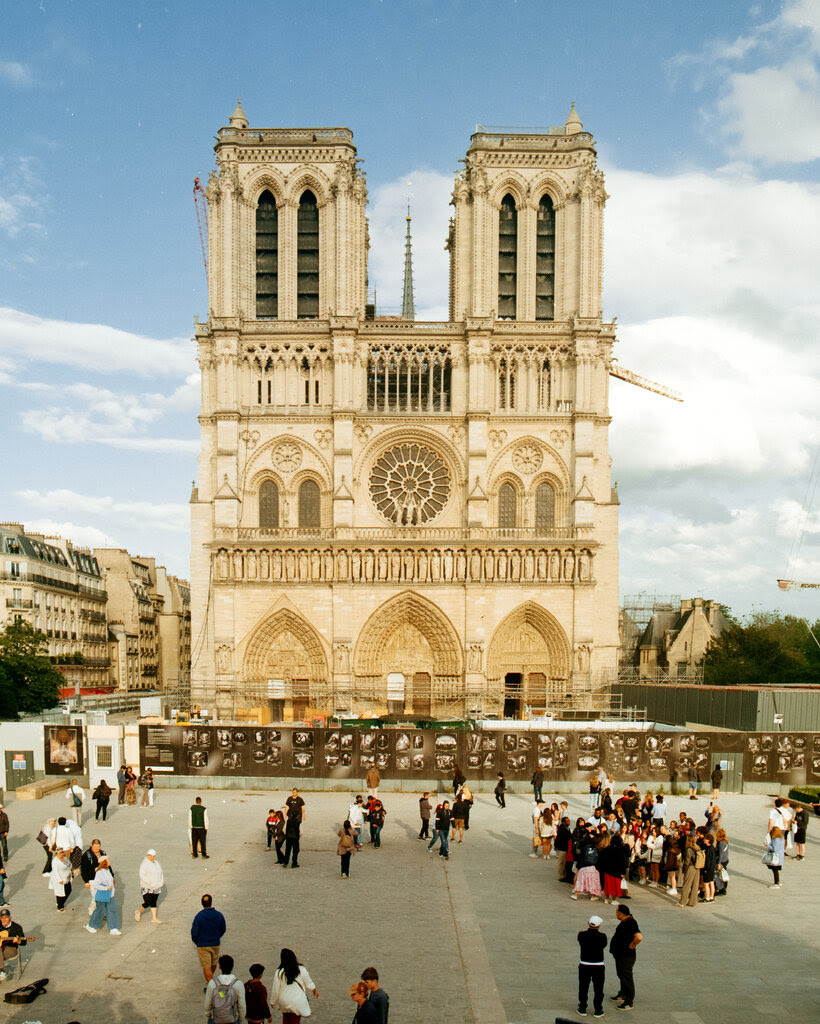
(286, 662)
(412, 638)
(528, 661)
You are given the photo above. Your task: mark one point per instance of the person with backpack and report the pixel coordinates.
(102, 794)
(225, 995)
(345, 847)
(289, 989)
(588, 879)
(256, 996)
(76, 795)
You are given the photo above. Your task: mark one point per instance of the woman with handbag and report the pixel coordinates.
(102, 794)
(345, 847)
(722, 875)
(102, 886)
(289, 989)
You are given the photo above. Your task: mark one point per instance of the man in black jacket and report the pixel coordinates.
(591, 968)
(13, 937)
(562, 841)
(88, 867)
(624, 942)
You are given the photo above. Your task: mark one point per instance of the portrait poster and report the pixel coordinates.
(63, 750)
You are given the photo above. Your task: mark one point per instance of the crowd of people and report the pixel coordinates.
(625, 841)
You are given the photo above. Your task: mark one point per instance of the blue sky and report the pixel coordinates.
(707, 118)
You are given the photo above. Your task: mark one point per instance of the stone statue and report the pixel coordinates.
(382, 564)
(461, 564)
(448, 564)
(223, 659)
(222, 567)
(251, 560)
(515, 565)
(276, 565)
(304, 566)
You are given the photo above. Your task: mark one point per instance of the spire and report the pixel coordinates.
(573, 122)
(238, 119)
(408, 310)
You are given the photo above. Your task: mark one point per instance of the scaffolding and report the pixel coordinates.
(636, 612)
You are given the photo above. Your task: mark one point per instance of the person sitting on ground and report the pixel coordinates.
(12, 938)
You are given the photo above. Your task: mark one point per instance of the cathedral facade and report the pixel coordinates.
(394, 515)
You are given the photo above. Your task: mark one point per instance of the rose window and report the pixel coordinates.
(409, 484)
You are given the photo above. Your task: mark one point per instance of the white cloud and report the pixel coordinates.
(15, 73)
(22, 197)
(430, 210)
(95, 347)
(166, 516)
(83, 536)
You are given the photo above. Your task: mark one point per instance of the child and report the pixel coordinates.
(256, 996)
(270, 824)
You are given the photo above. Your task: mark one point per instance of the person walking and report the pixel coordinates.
(355, 814)
(500, 790)
(365, 1013)
(198, 828)
(592, 969)
(102, 794)
(76, 795)
(88, 868)
(460, 812)
(693, 778)
(290, 987)
(375, 816)
(441, 829)
(425, 809)
(225, 995)
(377, 997)
(773, 857)
(60, 878)
(122, 782)
(146, 781)
(345, 847)
(459, 778)
(105, 906)
(279, 835)
(293, 828)
(207, 930)
(537, 783)
(152, 880)
(256, 997)
(801, 825)
(45, 839)
(4, 832)
(372, 781)
(622, 947)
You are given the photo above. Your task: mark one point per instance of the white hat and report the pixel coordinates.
(596, 921)
(151, 853)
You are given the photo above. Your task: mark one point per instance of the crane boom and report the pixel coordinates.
(201, 217)
(797, 585)
(643, 382)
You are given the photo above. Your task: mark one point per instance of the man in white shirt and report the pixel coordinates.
(355, 815)
(780, 816)
(76, 796)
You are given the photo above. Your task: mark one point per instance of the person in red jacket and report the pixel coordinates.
(257, 1009)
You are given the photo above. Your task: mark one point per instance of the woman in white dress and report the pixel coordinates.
(290, 987)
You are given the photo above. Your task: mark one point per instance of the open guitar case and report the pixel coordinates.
(27, 993)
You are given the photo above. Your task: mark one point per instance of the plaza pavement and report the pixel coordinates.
(485, 938)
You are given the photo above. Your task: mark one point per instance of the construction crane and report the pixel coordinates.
(797, 585)
(201, 220)
(643, 382)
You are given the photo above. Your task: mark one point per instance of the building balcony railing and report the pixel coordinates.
(100, 595)
(16, 602)
(92, 616)
(397, 535)
(43, 581)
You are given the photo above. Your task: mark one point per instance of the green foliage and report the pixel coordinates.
(28, 680)
(805, 795)
(765, 650)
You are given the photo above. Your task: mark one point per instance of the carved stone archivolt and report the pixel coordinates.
(529, 640)
(285, 647)
(510, 563)
(408, 612)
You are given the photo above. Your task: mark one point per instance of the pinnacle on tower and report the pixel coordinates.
(408, 309)
(573, 122)
(238, 119)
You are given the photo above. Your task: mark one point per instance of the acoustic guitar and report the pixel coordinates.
(15, 940)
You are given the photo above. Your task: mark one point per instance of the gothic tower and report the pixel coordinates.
(403, 515)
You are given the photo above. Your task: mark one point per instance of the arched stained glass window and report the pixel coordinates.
(307, 258)
(269, 505)
(507, 256)
(545, 261)
(544, 508)
(310, 517)
(267, 257)
(507, 502)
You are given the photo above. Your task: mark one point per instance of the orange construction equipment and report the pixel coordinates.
(201, 218)
(643, 382)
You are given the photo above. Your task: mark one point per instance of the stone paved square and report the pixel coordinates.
(488, 936)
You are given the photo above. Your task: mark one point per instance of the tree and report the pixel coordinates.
(28, 681)
(768, 650)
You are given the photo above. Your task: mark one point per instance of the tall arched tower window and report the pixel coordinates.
(506, 382)
(307, 258)
(309, 506)
(507, 255)
(269, 505)
(544, 508)
(507, 502)
(545, 261)
(267, 257)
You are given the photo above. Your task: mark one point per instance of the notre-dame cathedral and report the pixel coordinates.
(395, 515)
